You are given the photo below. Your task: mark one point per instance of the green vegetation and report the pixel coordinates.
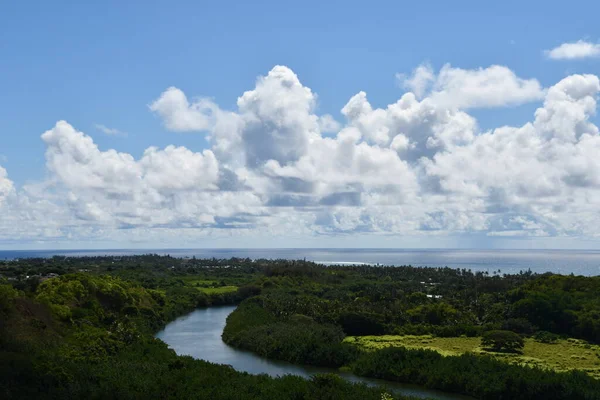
(561, 356)
(66, 333)
(212, 286)
(65, 320)
(480, 376)
(221, 290)
(298, 339)
(505, 341)
(444, 303)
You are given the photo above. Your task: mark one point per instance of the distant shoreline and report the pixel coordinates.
(579, 262)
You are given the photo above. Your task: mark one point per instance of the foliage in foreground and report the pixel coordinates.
(480, 376)
(90, 336)
(296, 310)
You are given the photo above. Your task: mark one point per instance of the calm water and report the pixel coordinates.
(579, 262)
(198, 334)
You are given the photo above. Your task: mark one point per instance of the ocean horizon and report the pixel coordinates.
(507, 261)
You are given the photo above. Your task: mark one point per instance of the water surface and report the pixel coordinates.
(578, 262)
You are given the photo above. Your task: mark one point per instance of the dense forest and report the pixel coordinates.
(83, 327)
(305, 311)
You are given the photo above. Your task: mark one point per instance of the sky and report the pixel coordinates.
(137, 124)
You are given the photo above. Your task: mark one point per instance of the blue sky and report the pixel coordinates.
(105, 63)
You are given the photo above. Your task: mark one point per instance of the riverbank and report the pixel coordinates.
(85, 335)
(85, 316)
(198, 334)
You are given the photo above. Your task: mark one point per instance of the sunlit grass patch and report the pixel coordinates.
(210, 286)
(199, 282)
(217, 290)
(562, 356)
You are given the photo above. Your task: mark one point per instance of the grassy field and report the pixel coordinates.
(562, 356)
(209, 286)
(192, 281)
(222, 289)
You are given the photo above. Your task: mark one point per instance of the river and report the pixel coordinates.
(198, 334)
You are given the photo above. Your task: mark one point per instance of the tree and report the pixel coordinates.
(359, 324)
(502, 341)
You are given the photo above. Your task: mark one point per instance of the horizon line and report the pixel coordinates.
(150, 249)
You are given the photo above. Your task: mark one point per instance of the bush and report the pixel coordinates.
(502, 341)
(546, 337)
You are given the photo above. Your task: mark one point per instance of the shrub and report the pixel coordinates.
(546, 337)
(502, 341)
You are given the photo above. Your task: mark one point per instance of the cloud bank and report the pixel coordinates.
(418, 167)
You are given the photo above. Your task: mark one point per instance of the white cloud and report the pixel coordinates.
(109, 131)
(420, 80)
(427, 155)
(544, 169)
(277, 119)
(113, 186)
(179, 114)
(419, 166)
(495, 86)
(420, 126)
(327, 124)
(6, 185)
(574, 50)
(76, 160)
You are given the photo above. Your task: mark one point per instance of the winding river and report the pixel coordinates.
(198, 334)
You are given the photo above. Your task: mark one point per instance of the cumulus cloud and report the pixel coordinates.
(113, 186)
(277, 119)
(411, 127)
(543, 169)
(327, 124)
(495, 86)
(275, 166)
(179, 114)
(420, 80)
(76, 160)
(574, 50)
(424, 152)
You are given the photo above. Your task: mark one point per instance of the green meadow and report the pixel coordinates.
(564, 355)
(210, 286)
(217, 290)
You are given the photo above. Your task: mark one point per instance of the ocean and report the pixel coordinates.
(578, 262)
